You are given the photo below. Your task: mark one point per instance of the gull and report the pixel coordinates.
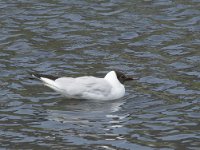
(88, 87)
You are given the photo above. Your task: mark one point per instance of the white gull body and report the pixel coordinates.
(87, 87)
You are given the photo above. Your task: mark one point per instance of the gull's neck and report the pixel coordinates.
(111, 77)
(118, 89)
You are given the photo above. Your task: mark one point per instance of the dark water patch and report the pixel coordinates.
(156, 41)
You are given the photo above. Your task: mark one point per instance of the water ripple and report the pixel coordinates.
(155, 40)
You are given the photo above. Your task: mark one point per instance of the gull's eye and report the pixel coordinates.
(123, 77)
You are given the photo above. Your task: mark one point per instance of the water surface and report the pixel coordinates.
(155, 40)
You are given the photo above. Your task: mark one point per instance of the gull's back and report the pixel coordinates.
(86, 87)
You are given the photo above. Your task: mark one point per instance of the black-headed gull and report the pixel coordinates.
(88, 87)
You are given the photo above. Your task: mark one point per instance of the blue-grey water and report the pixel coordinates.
(157, 41)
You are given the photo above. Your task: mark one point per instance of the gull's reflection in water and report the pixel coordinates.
(82, 110)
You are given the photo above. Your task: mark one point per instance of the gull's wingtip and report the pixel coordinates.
(39, 76)
(34, 75)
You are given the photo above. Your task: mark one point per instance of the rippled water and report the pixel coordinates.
(155, 40)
